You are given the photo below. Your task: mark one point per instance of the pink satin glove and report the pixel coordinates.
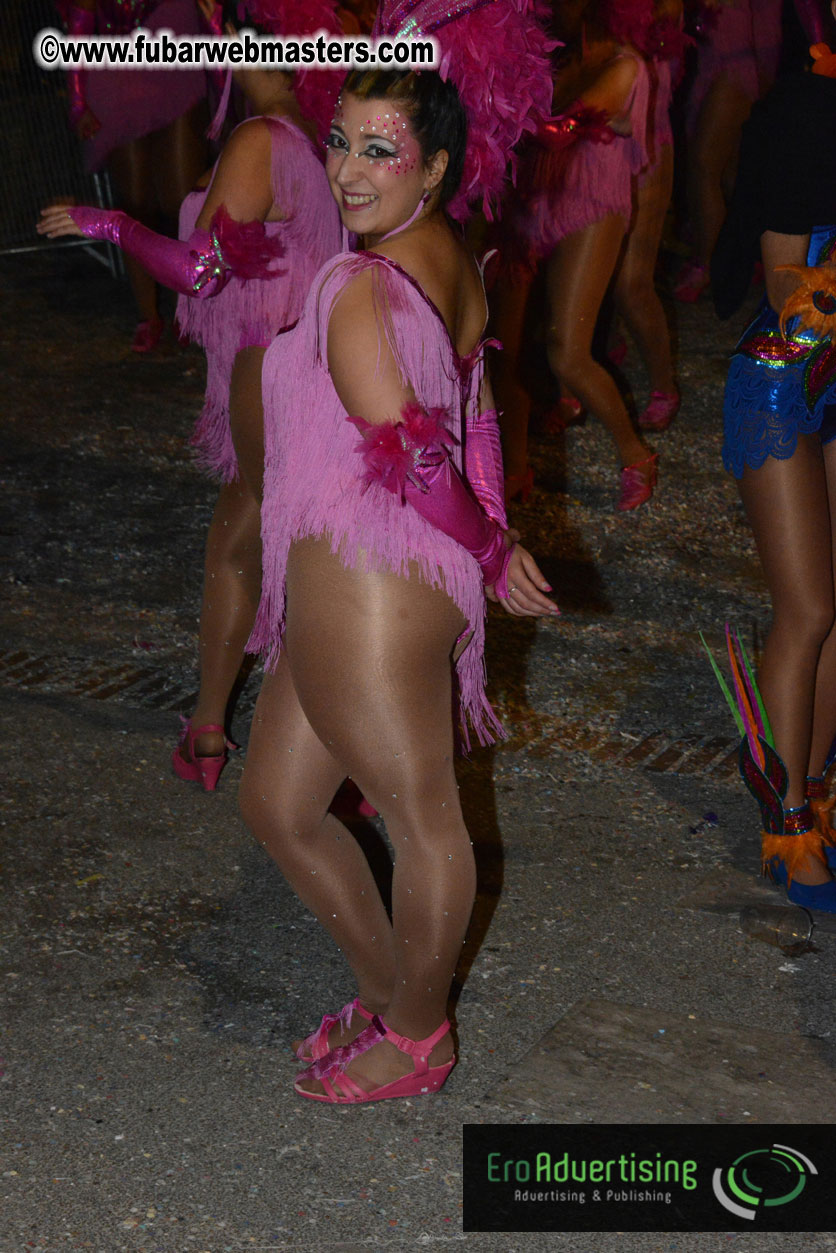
(200, 266)
(411, 458)
(483, 465)
(79, 22)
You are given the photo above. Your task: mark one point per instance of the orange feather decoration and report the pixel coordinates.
(813, 301)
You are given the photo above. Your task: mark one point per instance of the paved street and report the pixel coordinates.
(155, 964)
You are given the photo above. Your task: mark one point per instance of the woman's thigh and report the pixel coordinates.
(370, 655)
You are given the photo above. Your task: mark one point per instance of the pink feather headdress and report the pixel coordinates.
(628, 21)
(496, 54)
(316, 89)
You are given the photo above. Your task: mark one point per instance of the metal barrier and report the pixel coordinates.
(40, 157)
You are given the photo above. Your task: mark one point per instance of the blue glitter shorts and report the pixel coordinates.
(778, 389)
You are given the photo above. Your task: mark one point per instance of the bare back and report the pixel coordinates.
(445, 269)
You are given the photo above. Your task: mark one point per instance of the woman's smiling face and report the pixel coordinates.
(375, 166)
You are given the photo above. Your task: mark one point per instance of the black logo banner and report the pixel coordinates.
(650, 1177)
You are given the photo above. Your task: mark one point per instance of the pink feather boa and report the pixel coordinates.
(245, 247)
(393, 451)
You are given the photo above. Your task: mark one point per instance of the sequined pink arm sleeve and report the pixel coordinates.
(79, 22)
(411, 458)
(199, 266)
(483, 465)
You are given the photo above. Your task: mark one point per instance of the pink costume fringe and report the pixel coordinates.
(743, 44)
(253, 311)
(313, 482)
(586, 177)
(132, 103)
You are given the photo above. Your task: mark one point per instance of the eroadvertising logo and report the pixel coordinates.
(768, 1177)
(648, 1177)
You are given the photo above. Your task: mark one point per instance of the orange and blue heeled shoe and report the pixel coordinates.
(782, 855)
(338, 1088)
(822, 803)
(197, 769)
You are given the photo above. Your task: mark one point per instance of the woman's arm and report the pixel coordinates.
(228, 238)
(606, 89)
(405, 449)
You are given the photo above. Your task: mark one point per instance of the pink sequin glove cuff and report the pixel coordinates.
(199, 266)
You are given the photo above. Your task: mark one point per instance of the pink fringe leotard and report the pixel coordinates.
(133, 103)
(744, 45)
(598, 179)
(313, 472)
(251, 312)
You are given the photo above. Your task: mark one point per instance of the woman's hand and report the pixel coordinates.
(526, 585)
(56, 221)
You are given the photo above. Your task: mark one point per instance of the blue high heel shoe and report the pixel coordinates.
(784, 853)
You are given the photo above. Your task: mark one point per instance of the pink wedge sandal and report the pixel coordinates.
(315, 1046)
(340, 1088)
(205, 770)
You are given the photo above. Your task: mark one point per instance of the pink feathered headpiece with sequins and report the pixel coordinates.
(316, 89)
(496, 54)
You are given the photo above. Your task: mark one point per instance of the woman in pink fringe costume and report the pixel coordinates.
(572, 213)
(635, 295)
(240, 285)
(147, 126)
(383, 528)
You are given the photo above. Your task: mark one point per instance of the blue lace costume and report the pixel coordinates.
(778, 389)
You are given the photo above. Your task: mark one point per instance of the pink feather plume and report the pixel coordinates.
(246, 248)
(497, 54)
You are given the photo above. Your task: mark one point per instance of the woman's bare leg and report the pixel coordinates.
(131, 168)
(636, 298)
(824, 708)
(578, 275)
(381, 706)
(232, 577)
(509, 301)
(179, 155)
(787, 506)
(712, 160)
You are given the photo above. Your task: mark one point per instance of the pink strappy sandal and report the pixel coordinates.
(661, 410)
(341, 1089)
(315, 1046)
(205, 770)
(637, 484)
(147, 335)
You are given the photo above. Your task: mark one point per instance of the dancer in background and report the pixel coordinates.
(270, 173)
(376, 554)
(571, 213)
(739, 48)
(146, 126)
(635, 295)
(780, 423)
